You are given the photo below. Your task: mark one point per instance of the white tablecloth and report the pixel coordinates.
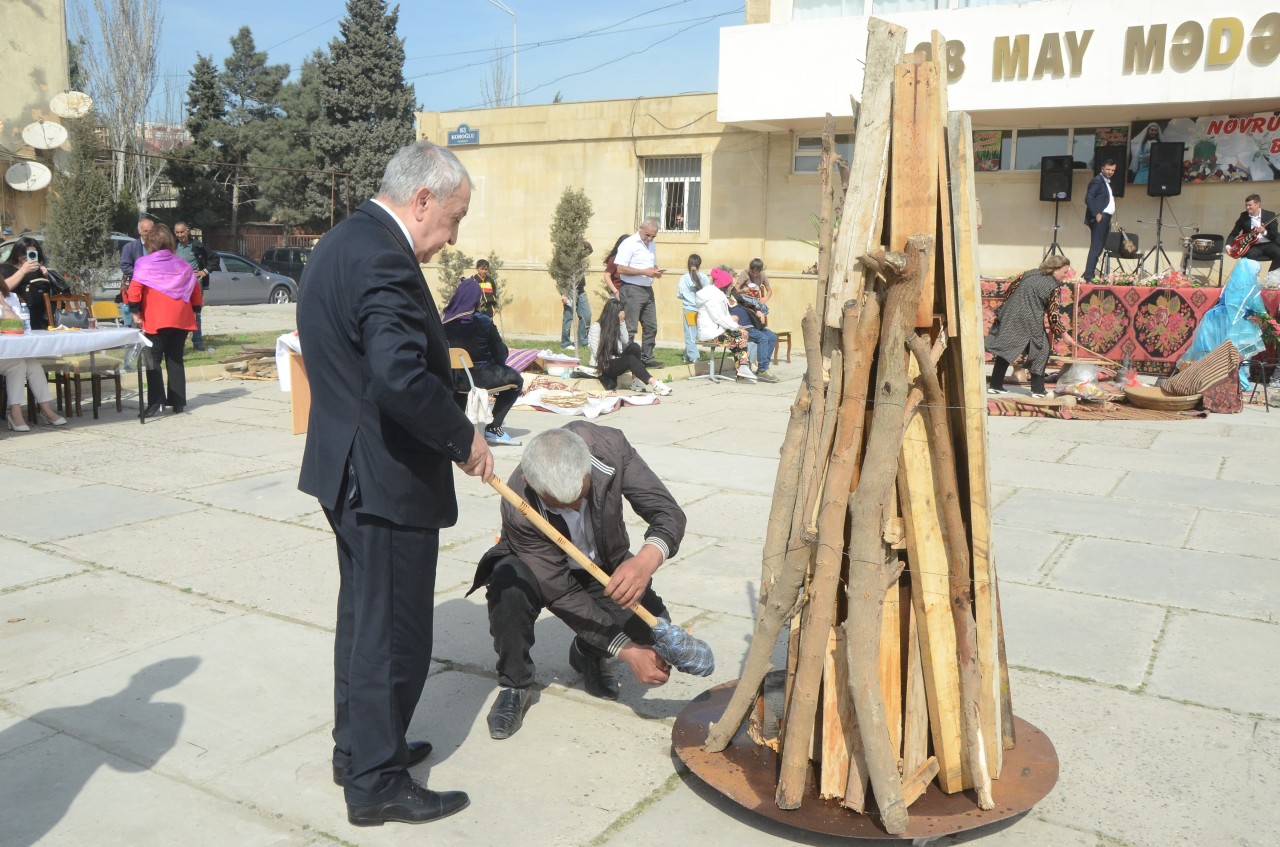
(40, 343)
(286, 344)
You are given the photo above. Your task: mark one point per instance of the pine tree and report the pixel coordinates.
(80, 209)
(201, 199)
(368, 106)
(299, 196)
(569, 251)
(252, 90)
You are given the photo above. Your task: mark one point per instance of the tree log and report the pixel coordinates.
(826, 217)
(870, 575)
(957, 543)
(785, 561)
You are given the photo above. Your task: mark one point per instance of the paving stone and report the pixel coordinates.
(739, 513)
(1227, 532)
(34, 481)
(1216, 661)
(94, 507)
(1021, 554)
(1093, 432)
(1100, 516)
(300, 583)
(1052, 476)
(270, 495)
(1261, 468)
(24, 565)
(1216, 494)
(1205, 466)
(1168, 576)
(1016, 446)
(1079, 635)
(723, 577)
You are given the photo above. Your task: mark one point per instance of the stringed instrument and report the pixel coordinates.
(1242, 242)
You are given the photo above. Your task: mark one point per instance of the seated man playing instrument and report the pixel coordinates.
(577, 477)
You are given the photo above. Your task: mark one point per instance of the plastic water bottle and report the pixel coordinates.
(25, 314)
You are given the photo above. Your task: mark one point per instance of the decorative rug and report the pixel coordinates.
(1011, 407)
(521, 359)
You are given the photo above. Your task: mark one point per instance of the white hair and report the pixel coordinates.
(422, 165)
(651, 222)
(554, 462)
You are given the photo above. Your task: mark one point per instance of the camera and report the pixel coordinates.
(32, 255)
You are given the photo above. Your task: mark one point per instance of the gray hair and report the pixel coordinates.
(554, 462)
(651, 221)
(422, 165)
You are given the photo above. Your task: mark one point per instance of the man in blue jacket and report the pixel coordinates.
(1099, 206)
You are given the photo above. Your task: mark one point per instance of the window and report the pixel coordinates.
(236, 266)
(673, 192)
(1022, 149)
(808, 152)
(1034, 144)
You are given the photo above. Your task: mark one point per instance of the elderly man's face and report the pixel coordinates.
(434, 223)
(145, 226)
(181, 233)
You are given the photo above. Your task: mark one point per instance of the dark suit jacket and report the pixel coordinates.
(381, 387)
(1242, 225)
(1095, 198)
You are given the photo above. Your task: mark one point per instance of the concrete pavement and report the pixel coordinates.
(166, 614)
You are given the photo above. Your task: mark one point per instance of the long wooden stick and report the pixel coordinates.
(563, 543)
(957, 543)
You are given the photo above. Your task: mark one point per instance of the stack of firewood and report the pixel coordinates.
(877, 551)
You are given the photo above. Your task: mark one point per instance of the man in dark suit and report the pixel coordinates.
(1254, 218)
(382, 434)
(1099, 206)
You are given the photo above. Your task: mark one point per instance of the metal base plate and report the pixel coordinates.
(748, 775)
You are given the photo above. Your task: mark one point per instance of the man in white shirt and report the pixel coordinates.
(637, 262)
(1099, 206)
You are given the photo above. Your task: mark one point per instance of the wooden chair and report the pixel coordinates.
(69, 370)
(460, 360)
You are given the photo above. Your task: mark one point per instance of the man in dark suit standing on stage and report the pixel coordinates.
(1254, 218)
(1099, 206)
(383, 433)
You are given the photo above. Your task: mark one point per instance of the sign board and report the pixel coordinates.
(464, 135)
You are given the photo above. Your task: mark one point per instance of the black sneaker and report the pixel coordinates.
(651, 363)
(991, 389)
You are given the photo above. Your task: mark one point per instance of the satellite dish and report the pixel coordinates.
(43, 135)
(28, 176)
(71, 104)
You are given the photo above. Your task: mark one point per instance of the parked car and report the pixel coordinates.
(287, 260)
(106, 284)
(237, 281)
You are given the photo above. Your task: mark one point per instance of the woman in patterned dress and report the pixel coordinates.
(1019, 327)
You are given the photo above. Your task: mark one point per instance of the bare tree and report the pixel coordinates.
(120, 43)
(496, 90)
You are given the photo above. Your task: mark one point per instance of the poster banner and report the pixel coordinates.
(1219, 148)
(986, 149)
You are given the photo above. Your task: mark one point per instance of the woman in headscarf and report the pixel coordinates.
(19, 373)
(471, 329)
(1019, 327)
(164, 296)
(1140, 152)
(716, 324)
(1229, 320)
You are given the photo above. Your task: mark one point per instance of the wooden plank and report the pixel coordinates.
(915, 784)
(946, 252)
(915, 729)
(974, 432)
(931, 599)
(913, 155)
(838, 726)
(891, 665)
(862, 218)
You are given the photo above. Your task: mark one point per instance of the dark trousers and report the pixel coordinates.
(1260, 252)
(382, 648)
(641, 310)
(167, 344)
(999, 367)
(515, 602)
(627, 360)
(491, 375)
(1098, 231)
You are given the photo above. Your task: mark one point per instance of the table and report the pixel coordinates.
(38, 344)
(1151, 325)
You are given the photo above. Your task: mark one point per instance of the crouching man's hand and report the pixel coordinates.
(646, 665)
(630, 579)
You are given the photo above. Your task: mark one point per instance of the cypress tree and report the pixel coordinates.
(368, 107)
(569, 254)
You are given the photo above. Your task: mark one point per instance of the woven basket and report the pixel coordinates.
(1151, 397)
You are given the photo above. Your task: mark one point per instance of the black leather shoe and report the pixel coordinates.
(507, 713)
(413, 804)
(418, 751)
(597, 679)
(153, 410)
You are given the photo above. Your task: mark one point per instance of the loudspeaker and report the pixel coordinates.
(1118, 153)
(1055, 177)
(1164, 171)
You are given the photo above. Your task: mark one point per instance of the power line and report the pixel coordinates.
(299, 35)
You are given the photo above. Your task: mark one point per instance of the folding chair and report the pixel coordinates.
(460, 360)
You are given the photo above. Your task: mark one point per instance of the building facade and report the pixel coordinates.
(733, 175)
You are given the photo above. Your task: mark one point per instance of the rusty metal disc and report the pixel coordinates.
(746, 773)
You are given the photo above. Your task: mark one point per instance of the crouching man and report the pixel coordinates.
(577, 477)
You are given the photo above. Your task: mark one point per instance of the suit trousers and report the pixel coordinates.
(1264, 250)
(515, 603)
(382, 648)
(1098, 231)
(640, 309)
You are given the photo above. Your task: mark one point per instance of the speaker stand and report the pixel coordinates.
(1157, 250)
(1055, 248)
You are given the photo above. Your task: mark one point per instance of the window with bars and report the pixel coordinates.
(673, 192)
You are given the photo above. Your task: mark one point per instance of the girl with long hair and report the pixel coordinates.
(687, 291)
(613, 353)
